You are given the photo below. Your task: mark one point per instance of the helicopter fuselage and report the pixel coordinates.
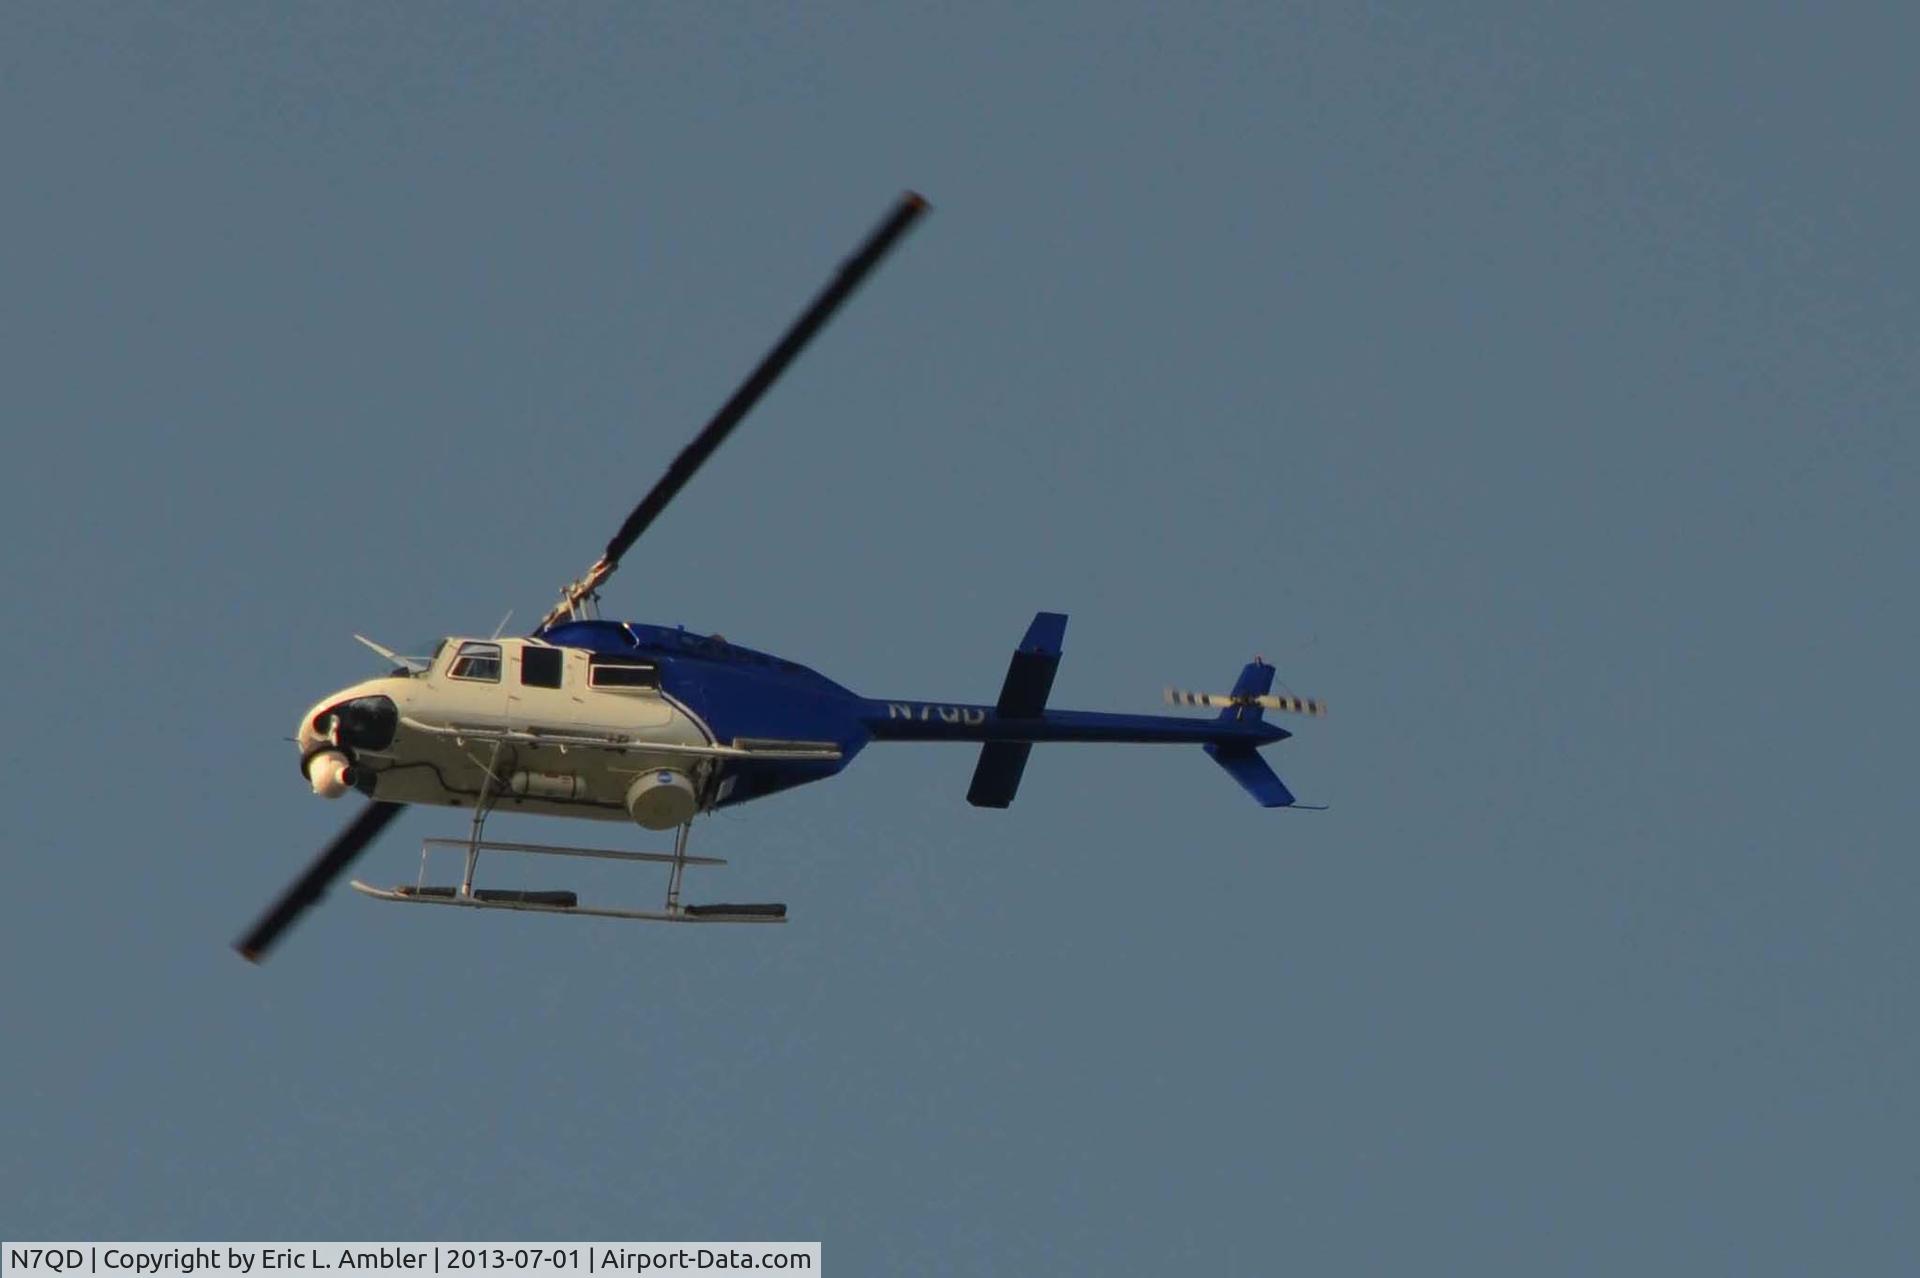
(567, 723)
(626, 721)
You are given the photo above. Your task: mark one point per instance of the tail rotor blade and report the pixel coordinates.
(1219, 701)
(1205, 700)
(306, 890)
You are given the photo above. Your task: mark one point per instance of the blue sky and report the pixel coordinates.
(1525, 381)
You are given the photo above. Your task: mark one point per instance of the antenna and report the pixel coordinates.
(415, 664)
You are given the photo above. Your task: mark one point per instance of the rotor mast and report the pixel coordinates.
(578, 595)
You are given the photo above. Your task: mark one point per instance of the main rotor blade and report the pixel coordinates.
(851, 273)
(714, 433)
(312, 885)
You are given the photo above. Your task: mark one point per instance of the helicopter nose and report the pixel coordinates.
(309, 738)
(332, 731)
(365, 722)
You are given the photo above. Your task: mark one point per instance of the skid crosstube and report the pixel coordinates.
(553, 849)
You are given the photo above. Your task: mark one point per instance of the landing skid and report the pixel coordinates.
(531, 903)
(467, 896)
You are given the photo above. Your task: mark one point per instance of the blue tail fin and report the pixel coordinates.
(1244, 764)
(1256, 680)
(996, 777)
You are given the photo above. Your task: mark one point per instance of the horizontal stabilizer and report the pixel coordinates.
(1030, 673)
(996, 777)
(1244, 764)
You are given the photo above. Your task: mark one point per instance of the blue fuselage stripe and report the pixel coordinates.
(953, 721)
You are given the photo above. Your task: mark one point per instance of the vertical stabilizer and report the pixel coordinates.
(1256, 680)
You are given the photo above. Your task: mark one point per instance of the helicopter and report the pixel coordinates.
(621, 721)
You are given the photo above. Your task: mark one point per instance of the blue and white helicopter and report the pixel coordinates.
(621, 721)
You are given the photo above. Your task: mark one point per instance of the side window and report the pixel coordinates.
(622, 673)
(478, 661)
(540, 667)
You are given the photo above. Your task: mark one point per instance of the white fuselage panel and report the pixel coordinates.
(453, 731)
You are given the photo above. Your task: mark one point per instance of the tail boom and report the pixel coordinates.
(954, 721)
(1008, 730)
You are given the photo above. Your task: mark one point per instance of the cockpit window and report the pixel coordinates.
(477, 661)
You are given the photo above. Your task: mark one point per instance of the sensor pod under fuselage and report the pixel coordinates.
(662, 799)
